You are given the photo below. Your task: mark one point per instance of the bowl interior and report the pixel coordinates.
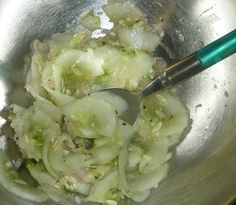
(203, 170)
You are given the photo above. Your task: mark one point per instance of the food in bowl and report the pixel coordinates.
(72, 141)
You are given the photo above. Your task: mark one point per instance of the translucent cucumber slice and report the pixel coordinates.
(140, 196)
(60, 99)
(122, 11)
(10, 180)
(177, 118)
(40, 174)
(123, 68)
(63, 61)
(156, 155)
(100, 189)
(64, 161)
(116, 101)
(29, 127)
(138, 37)
(144, 182)
(48, 108)
(105, 154)
(122, 165)
(91, 113)
(125, 133)
(89, 20)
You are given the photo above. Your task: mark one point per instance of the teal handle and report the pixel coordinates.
(217, 51)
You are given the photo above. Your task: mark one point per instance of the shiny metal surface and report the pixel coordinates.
(134, 101)
(204, 169)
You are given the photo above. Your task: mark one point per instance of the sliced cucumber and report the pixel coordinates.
(40, 174)
(46, 76)
(102, 141)
(122, 11)
(63, 62)
(64, 161)
(122, 165)
(125, 133)
(89, 20)
(91, 113)
(58, 43)
(139, 196)
(58, 195)
(125, 69)
(116, 101)
(138, 37)
(100, 189)
(29, 127)
(9, 180)
(144, 182)
(157, 154)
(60, 99)
(105, 154)
(177, 118)
(134, 158)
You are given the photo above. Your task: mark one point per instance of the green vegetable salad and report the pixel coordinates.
(71, 139)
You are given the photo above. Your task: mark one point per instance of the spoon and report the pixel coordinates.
(186, 68)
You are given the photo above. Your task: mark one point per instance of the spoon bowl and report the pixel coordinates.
(133, 100)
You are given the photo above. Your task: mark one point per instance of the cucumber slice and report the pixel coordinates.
(122, 164)
(127, 70)
(133, 159)
(29, 127)
(139, 196)
(47, 80)
(93, 114)
(156, 155)
(138, 37)
(89, 20)
(63, 62)
(64, 161)
(58, 43)
(144, 182)
(177, 118)
(105, 154)
(102, 141)
(89, 65)
(125, 133)
(60, 99)
(100, 189)
(122, 11)
(49, 136)
(58, 195)
(40, 174)
(48, 108)
(9, 179)
(116, 101)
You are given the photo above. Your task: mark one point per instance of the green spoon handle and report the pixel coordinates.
(194, 64)
(199, 61)
(217, 51)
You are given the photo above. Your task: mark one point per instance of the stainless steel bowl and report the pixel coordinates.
(204, 169)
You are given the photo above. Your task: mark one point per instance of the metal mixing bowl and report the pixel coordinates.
(204, 169)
